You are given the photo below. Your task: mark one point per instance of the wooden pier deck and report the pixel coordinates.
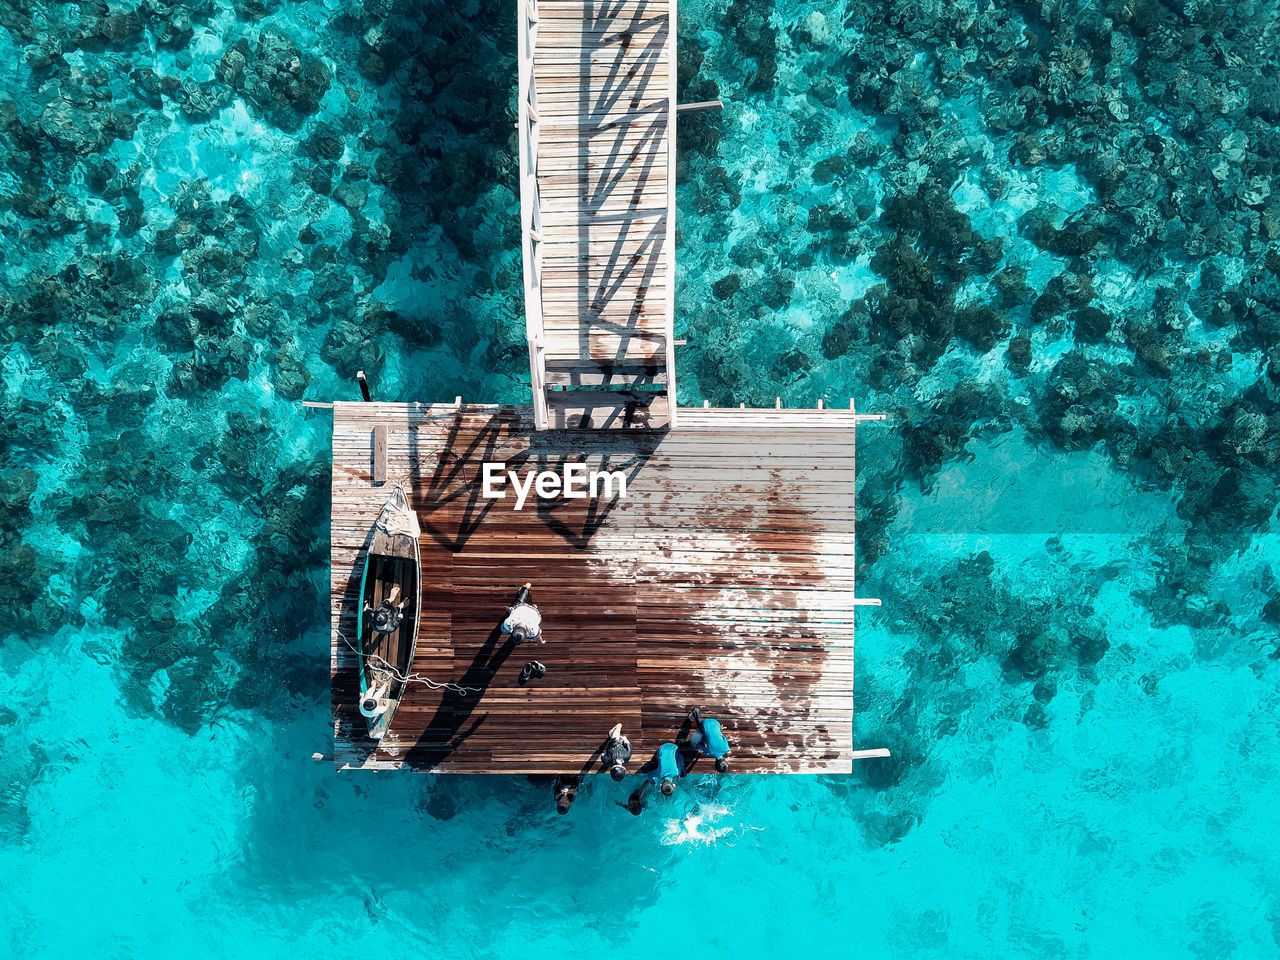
(723, 579)
(597, 195)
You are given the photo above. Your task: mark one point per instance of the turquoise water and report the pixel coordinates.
(1043, 239)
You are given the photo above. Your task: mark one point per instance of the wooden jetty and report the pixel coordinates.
(597, 139)
(722, 579)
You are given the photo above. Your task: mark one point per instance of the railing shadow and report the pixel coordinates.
(451, 498)
(626, 273)
(578, 532)
(451, 501)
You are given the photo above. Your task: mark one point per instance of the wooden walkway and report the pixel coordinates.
(724, 579)
(597, 152)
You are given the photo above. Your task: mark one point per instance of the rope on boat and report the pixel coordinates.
(409, 480)
(410, 677)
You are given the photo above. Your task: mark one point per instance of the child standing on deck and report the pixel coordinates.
(523, 621)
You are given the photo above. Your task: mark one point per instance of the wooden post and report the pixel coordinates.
(364, 385)
(868, 754)
(530, 204)
(380, 453)
(699, 107)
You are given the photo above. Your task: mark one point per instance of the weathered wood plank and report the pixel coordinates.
(380, 453)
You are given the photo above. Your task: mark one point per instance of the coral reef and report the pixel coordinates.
(1082, 195)
(1044, 238)
(209, 214)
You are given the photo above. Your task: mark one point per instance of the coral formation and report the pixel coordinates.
(207, 217)
(1041, 237)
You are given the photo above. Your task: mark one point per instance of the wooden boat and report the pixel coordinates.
(389, 611)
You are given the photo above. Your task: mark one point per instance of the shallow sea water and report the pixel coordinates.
(1069, 515)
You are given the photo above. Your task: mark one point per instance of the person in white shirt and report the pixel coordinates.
(524, 622)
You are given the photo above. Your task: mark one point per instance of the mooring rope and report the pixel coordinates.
(405, 483)
(410, 677)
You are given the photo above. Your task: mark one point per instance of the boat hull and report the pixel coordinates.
(392, 575)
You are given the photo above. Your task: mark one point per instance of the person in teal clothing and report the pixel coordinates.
(709, 739)
(664, 769)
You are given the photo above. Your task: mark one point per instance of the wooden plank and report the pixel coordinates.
(606, 410)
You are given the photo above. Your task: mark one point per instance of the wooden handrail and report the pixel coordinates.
(669, 307)
(530, 207)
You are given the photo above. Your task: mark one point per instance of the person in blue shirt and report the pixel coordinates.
(664, 769)
(709, 739)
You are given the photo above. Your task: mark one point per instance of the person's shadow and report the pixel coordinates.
(689, 754)
(444, 733)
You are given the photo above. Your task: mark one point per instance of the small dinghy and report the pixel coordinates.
(389, 611)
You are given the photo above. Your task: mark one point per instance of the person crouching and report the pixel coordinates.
(617, 751)
(709, 739)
